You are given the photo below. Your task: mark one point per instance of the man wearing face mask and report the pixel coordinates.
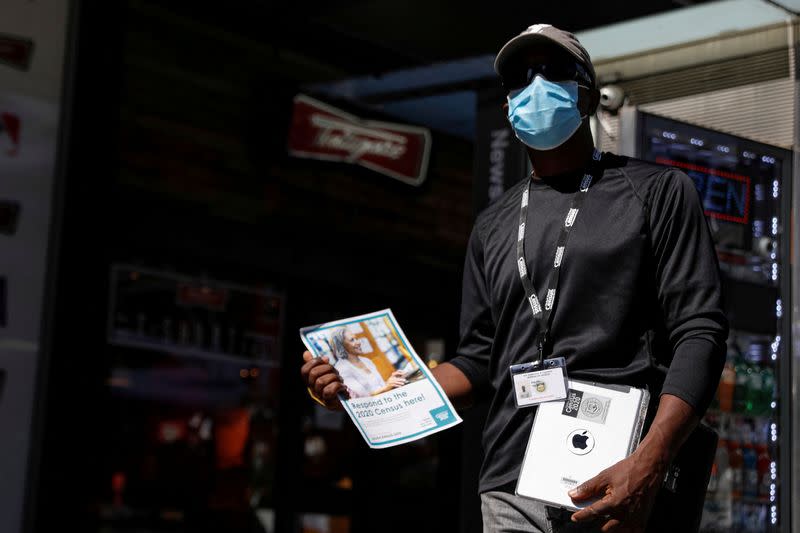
(603, 260)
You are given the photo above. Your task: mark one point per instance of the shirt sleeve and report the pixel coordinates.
(476, 326)
(689, 293)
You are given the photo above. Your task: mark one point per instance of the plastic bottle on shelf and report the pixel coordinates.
(742, 370)
(767, 388)
(167, 330)
(184, 334)
(216, 335)
(749, 466)
(141, 324)
(763, 462)
(713, 480)
(727, 384)
(754, 395)
(736, 462)
(724, 485)
(753, 518)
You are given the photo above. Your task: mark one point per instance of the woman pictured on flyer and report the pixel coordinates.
(360, 375)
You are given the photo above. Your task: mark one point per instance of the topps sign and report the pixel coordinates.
(320, 131)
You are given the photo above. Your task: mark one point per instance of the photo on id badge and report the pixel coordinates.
(368, 354)
(536, 382)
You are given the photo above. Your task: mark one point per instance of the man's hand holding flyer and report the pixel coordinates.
(391, 396)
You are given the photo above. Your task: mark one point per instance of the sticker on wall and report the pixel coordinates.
(9, 133)
(16, 51)
(3, 300)
(9, 214)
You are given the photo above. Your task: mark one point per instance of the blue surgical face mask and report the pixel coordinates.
(545, 114)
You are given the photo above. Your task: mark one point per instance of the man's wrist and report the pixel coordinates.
(655, 454)
(673, 422)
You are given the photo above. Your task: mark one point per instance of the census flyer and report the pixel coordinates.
(393, 398)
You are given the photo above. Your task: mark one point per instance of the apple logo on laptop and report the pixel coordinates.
(580, 442)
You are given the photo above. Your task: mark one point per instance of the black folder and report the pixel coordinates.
(679, 503)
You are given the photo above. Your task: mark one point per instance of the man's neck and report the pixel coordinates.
(572, 156)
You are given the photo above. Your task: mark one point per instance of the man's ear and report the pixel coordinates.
(594, 101)
(588, 100)
(505, 108)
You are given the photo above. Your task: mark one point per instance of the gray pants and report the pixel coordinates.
(507, 513)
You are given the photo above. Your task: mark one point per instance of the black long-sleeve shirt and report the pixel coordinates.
(638, 301)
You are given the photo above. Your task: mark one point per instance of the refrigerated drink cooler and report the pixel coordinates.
(193, 401)
(745, 190)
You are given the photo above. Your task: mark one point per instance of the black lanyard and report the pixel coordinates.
(544, 315)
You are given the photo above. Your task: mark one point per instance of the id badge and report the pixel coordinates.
(534, 384)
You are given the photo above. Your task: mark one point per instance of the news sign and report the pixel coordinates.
(321, 131)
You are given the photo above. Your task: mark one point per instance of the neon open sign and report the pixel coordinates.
(725, 195)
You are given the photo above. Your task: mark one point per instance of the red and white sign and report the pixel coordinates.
(320, 131)
(9, 133)
(202, 296)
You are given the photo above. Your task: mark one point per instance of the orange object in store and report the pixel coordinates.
(232, 431)
(727, 385)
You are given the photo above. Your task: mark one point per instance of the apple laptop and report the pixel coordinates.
(574, 439)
